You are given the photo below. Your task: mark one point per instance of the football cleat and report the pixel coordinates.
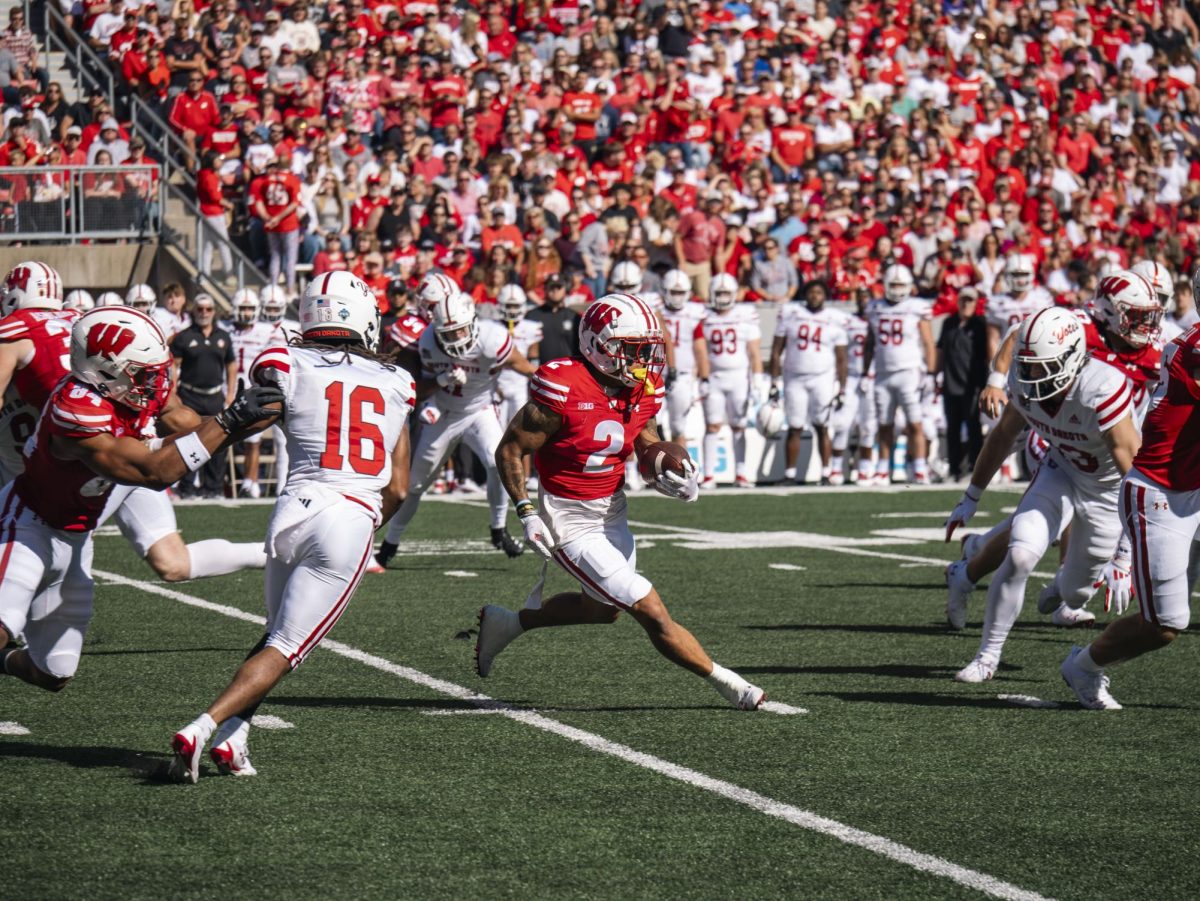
(826, 481)
(836, 478)
(232, 759)
(498, 626)
(743, 482)
(959, 587)
(531, 484)
(468, 486)
(881, 480)
(709, 482)
(374, 568)
(920, 478)
(1070, 618)
(439, 487)
(251, 489)
(502, 541)
(384, 555)
(1090, 688)
(185, 765)
(978, 670)
(751, 698)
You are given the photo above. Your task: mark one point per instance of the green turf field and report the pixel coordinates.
(386, 787)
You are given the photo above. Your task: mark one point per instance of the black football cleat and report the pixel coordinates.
(386, 552)
(501, 540)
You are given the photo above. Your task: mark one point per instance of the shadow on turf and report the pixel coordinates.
(90, 653)
(1055, 634)
(394, 703)
(931, 699)
(906, 586)
(895, 670)
(85, 757)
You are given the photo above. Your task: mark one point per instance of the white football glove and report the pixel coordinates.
(537, 536)
(429, 413)
(1118, 586)
(681, 487)
(452, 378)
(962, 513)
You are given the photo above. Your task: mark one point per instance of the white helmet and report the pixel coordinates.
(1126, 304)
(770, 420)
(722, 292)
(677, 289)
(245, 306)
(79, 300)
(1018, 272)
(1051, 349)
(620, 336)
(122, 353)
(456, 325)
(274, 303)
(433, 290)
(141, 297)
(110, 299)
(897, 283)
(342, 307)
(31, 286)
(626, 278)
(512, 300)
(1160, 281)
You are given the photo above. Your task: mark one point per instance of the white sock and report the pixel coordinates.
(204, 725)
(216, 557)
(864, 469)
(404, 516)
(920, 467)
(497, 499)
(837, 462)
(712, 443)
(790, 473)
(1006, 595)
(739, 452)
(825, 470)
(235, 728)
(1087, 663)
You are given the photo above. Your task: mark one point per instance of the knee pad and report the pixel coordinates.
(1022, 560)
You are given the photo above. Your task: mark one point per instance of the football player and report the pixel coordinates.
(858, 408)
(250, 336)
(682, 319)
(731, 340)
(345, 417)
(583, 420)
(142, 298)
(1083, 408)
(1024, 298)
(79, 300)
(1163, 286)
(94, 432)
(512, 386)
(273, 302)
(461, 355)
(810, 351)
(900, 344)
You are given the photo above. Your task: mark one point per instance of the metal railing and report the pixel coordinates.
(72, 203)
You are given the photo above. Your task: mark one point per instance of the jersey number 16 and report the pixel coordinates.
(359, 434)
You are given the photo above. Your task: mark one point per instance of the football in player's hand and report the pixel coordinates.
(660, 457)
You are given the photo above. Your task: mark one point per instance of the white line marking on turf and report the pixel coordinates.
(10, 727)
(460, 574)
(787, 567)
(1029, 701)
(267, 721)
(782, 709)
(460, 711)
(806, 819)
(983, 514)
(913, 565)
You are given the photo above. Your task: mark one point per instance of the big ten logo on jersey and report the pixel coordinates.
(354, 429)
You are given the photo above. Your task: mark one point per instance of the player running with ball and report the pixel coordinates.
(583, 420)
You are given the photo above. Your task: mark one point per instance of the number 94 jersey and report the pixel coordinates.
(896, 327)
(810, 338)
(585, 458)
(342, 418)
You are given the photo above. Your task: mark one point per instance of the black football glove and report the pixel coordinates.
(250, 406)
(670, 379)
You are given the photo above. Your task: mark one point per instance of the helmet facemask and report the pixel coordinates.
(1139, 326)
(675, 299)
(458, 341)
(635, 360)
(143, 387)
(1042, 378)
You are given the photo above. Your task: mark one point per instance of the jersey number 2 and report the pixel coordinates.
(611, 434)
(359, 433)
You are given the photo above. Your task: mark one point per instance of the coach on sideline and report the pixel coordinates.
(206, 373)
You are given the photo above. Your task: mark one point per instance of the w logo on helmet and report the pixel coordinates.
(599, 315)
(18, 278)
(108, 339)
(1113, 284)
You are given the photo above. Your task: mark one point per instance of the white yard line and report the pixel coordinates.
(9, 727)
(267, 721)
(806, 819)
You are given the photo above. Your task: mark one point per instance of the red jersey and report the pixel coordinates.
(66, 493)
(585, 460)
(50, 332)
(404, 332)
(1170, 454)
(278, 191)
(1141, 365)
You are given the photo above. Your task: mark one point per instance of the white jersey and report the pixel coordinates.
(1100, 398)
(728, 335)
(249, 341)
(170, 323)
(1004, 311)
(810, 339)
(342, 418)
(284, 331)
(525, 334)
(855, 327)
(898, 334)
(18, 421)
(683, 328)
(481, 365)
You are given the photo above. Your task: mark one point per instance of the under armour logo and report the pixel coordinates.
(195, 458)
(1161, 505)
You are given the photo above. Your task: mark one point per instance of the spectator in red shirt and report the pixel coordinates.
(213, 206)
(700, 238)
(276, 201)
(582, 107)
(195, 112)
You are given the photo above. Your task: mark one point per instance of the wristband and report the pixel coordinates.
(996, 379)
(193, 451)
(526, 508)
(974, 493)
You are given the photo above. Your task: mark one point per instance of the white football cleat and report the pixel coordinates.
(881, 480)
(920, 478)
(1070, 618)
(836, 478)
(185, 765)
(232, 759)
(498, 626)
(751, 697)
(958, 588)
(978, 670)
(468, 486)
(531, 484)
(743, 482)
(709, 482)
(1090, 688)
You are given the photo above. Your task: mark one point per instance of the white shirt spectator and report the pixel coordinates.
(1141, 54)
(705, 88)
(302, 37)
(106, 25)
(958, 38)
(1172, 178)
(836, 132)
(1098, 112)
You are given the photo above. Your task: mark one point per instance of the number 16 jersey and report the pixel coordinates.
(343, 416)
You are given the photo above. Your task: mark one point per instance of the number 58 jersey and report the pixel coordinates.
(342, 418)
(897, 330)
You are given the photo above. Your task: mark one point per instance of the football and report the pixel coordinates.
(660, 457)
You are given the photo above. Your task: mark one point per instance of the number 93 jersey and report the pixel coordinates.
(342, 418)
(809, 338)
(728, 335)
(481, 364)
(897, 334)
(585, 458)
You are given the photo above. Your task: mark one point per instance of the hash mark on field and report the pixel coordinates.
(461, 711)
(10, 727)
(267, 721)
(781, 709)
(460, 574)
(788, 567)
(1029, 701)
(805, 819)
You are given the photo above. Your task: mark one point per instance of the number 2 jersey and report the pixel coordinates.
(728, 335)
(585, 458)
(810, 339)
(897, 330)
(50, 333)
(481, 364)
(342, 418)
